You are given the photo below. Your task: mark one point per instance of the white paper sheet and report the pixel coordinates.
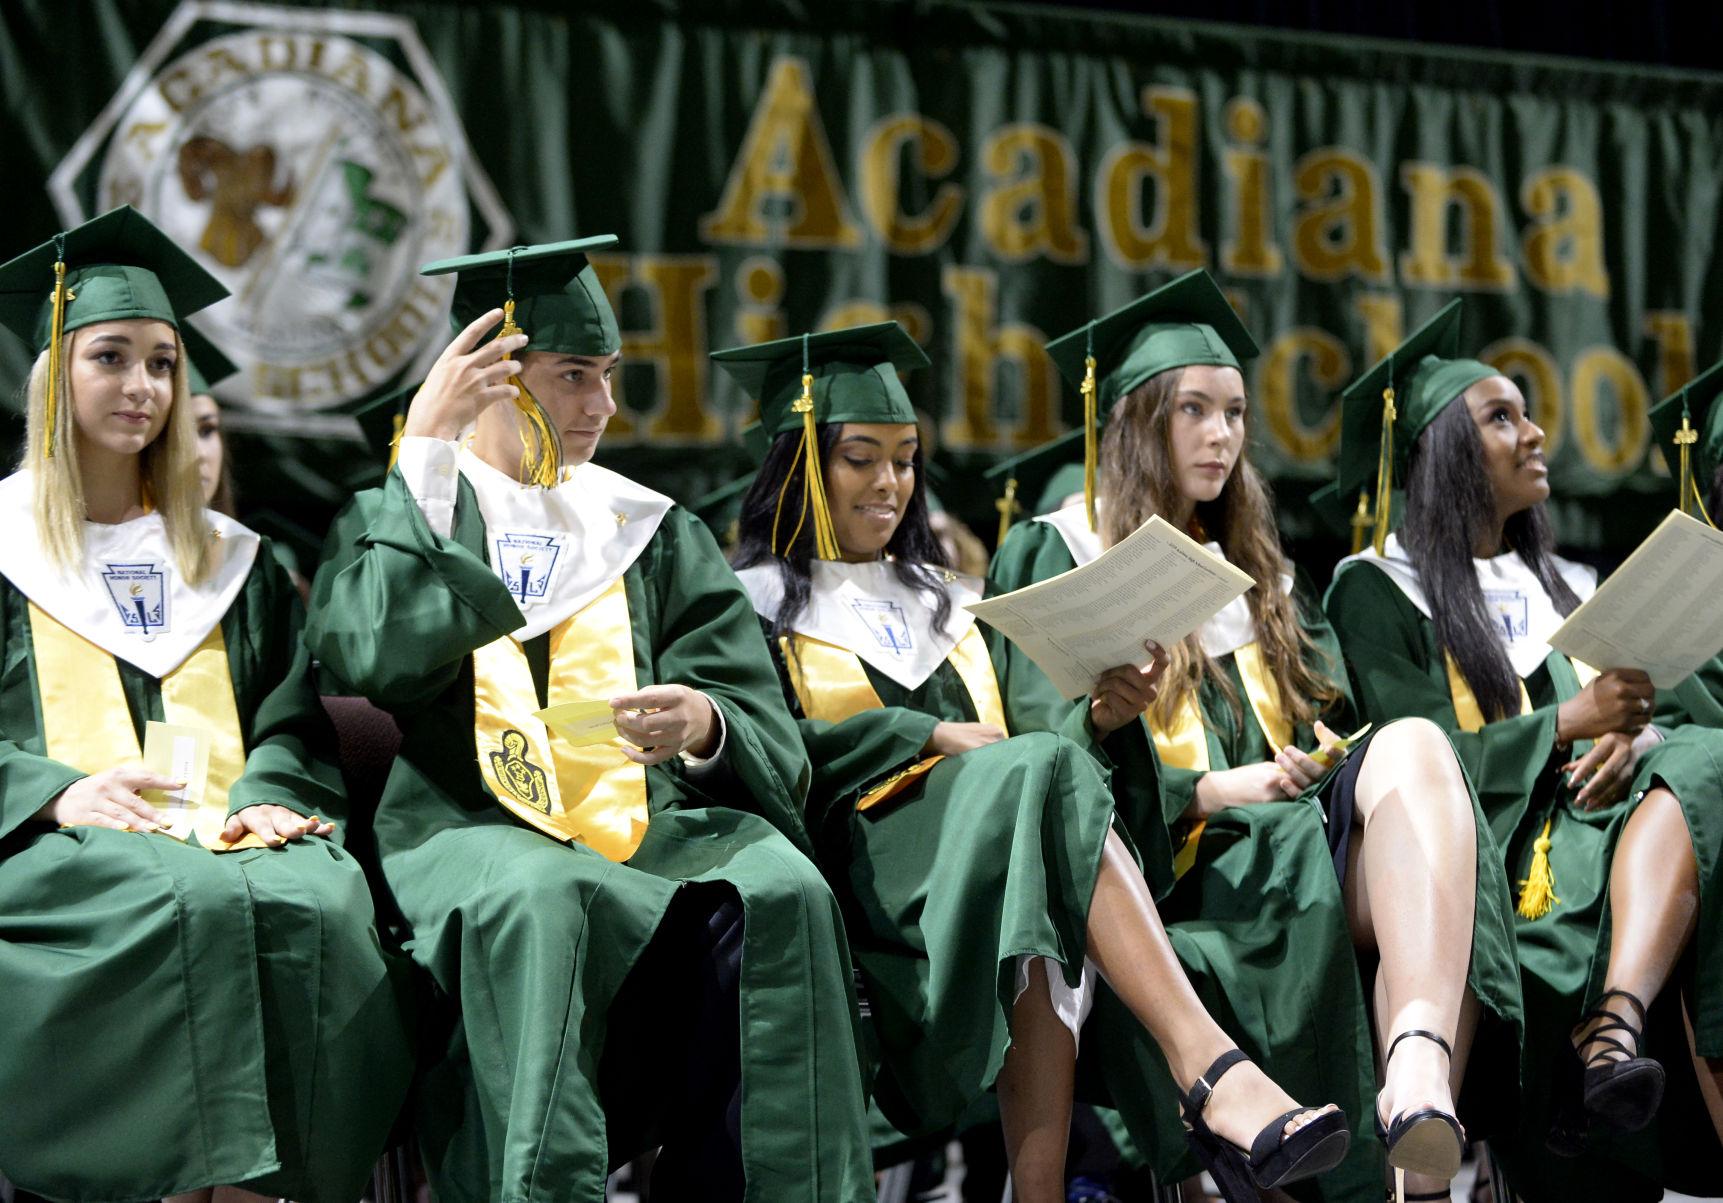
(1158, 584)
(1661, 611)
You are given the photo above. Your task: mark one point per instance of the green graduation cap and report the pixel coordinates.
(114, 267)
(1385, 410)
(1047, 473)
(1691, 423)
(205, 365)
(1185, 322)
(847, 375)
(551, 292)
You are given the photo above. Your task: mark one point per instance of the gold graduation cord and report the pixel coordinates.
(1091, 431)
(594, 795)
(400, 425)
(1688, 487)
(56, 334)
(1362, 521)
(1008, 508)
(1385, 468)
(540, 462)
(87, 723)
(813, 483)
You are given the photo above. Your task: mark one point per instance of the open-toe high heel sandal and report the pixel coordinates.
(1273, 1158)
(1426, 1141)
(1622, 1092)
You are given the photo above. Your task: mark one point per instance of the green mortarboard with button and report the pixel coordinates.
(205, 365)
(1383, 412)
(1689, 428)
(551, 292)
(381, 418)
(1047, 473)
(1183, 323)
(847, 375)
(114, 267)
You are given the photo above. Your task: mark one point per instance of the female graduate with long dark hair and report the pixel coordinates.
(196, 1000)
(979, 869)
(1606, 823)
(1252, 700)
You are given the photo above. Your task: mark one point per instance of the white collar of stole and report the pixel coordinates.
(865, 609)
(1523, 614)
(1229, 630)
(128, 598)
(557, 549)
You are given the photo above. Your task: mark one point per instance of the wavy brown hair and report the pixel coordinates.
(1138, 482)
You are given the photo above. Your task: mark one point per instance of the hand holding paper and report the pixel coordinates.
(582, 724)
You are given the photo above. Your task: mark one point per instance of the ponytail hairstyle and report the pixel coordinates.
(1449, 507)
(1138, 482)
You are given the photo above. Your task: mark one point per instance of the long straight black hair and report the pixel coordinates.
(1449, 506)
(913, 544)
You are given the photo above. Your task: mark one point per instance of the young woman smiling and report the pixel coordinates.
(1252, 706)
(179, 1023)
(974, 850)
(1606, 822)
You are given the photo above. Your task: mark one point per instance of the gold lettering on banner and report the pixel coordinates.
(1534, 369)
(1277, 390)
(936, 156)
(1250, 249)
(1384, 323)
(1672, 332)
(1609, 451)
(760, 289)
(1336, 233)
(1036, 212)
(785, 159)
(1172, 239)
(979, 347)
(1434, 191)
(1564, 247)
(915, 320)
(674, 345)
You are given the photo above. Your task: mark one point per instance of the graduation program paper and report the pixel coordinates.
(1158, 584)
(1659, 611)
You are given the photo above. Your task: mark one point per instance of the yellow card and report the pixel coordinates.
(181, 753)
(1336, 752)
(581, 723)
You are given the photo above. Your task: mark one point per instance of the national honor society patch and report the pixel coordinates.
(526, 561)
(886, 622)
(139, 593)
(1511, 610)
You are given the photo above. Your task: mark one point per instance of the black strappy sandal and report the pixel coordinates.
(1274, 1158)
(1426, 1141)
(1623, 1093)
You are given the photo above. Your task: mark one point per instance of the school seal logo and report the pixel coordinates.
(311, 161)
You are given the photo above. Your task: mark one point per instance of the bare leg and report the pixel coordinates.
(1709, 1071)
(192, 1196)
(234, 1194)
(1035, 1086)
(1129, 946)
(1653, 905)
(1410, 891)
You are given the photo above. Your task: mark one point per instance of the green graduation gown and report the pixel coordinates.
(532, 937)
(988, 858)
(1515, 763)
(175, 1018)
(1259, 919)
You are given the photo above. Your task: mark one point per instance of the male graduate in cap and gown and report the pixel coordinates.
(617, 903)
(195, 994)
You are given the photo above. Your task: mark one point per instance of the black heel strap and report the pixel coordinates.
(1426, 1196)
(1197, 1097)
(1422, 1034)
(1633, 999)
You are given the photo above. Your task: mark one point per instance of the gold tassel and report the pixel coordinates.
(813, 482)
(1385, 471)
(400, 423)
(541, 457)
(56, 334)
(1091, 435)
(1537, 891)
(1007, 507)
(1361, 521)
(1689, 488)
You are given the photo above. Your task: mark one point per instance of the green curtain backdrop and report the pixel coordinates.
(989, 174)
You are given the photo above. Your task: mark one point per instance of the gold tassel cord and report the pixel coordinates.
(1685, 438)
(1008, 508)
(1091, 436)
(1537, 891)
(56, 334)
(1385, 471)
(541, 449)
(400, 424)
(813, 482)
(1362, 520)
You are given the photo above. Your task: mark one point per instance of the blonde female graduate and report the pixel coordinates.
(618, 902)
(196, 1000)
(979, 869)
(1400, 872)
(1607, 824)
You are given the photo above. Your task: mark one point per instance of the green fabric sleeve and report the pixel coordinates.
(291, 757)
(28, 780)
(395, 609)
